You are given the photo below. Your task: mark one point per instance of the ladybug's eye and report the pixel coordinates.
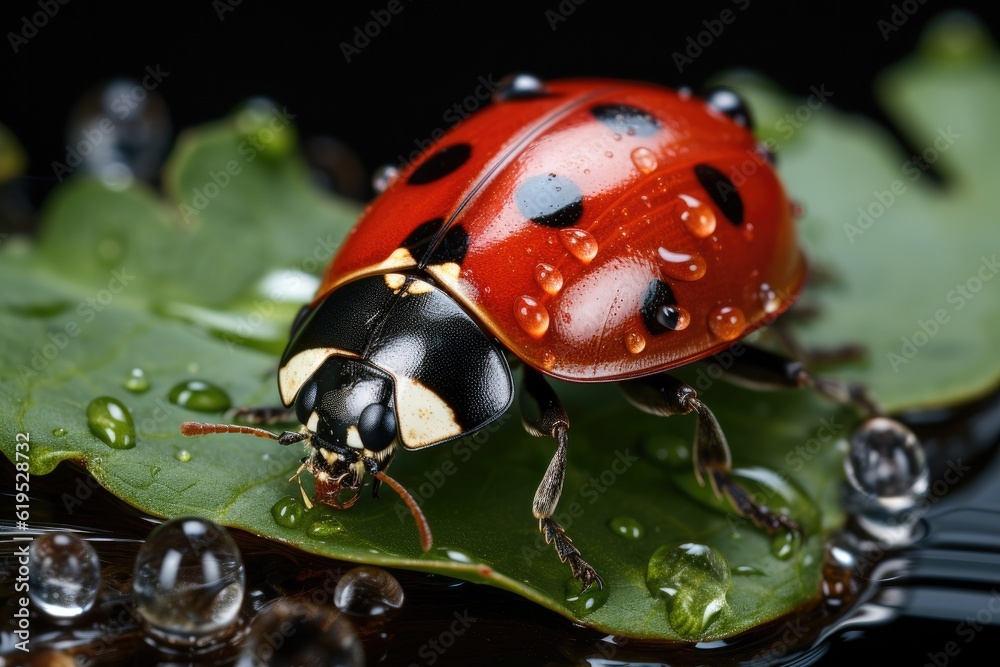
(305, 401)
(728, 101)
(377, 427)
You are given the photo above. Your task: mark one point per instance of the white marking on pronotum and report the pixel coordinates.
(299, 368)
(424, 417)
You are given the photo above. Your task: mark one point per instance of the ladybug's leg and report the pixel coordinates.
(544, 416)
(663, 395)
(768, 370)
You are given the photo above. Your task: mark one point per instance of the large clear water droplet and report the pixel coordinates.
(189, 581)
(367, 591)
(64, 574)
(111, 421)
(290, 632)
(693, 579)
(888, 475)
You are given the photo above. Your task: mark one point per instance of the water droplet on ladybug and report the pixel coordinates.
(532, 316)
(768, 298)
(549, 278)
(727, 322)
(189, 581)
(383, 177)
(674, 318)
(644, 160)
(64, 574)
(697, 216)
(548, 361)
(682, 266)
(581, 244)
(367, 591)
(111, 421)
(200, 395)
(635, 342)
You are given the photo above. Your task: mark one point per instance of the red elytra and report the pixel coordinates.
(556, 219)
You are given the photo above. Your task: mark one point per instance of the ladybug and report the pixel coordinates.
(589, 230)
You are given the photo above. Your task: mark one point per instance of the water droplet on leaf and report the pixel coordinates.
(200, 395)
(110, 421)
(694, 580)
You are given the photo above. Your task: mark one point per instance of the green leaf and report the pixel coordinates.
(202, 285)
(913, 264)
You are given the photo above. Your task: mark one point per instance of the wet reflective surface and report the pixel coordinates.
(897, 605)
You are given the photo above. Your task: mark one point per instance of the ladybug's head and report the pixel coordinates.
(348, 412)
(378, 364)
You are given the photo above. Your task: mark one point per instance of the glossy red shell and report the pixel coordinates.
(568, 300)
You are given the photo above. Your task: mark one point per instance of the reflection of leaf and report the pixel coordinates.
(197, 308)
(913, 252)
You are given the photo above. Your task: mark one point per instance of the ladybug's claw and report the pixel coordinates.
(761, 515)
(568, 553)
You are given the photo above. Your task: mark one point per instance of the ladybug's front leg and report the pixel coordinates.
(663, 395)
(544, 416)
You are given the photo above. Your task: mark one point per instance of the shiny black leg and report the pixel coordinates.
(544, 416)
(663, 395)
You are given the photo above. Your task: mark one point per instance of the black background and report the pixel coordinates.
(428, 58)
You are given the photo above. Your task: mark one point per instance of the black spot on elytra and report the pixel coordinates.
(442, 163)
(550, 200)
(450, 248)
(419, 239)
(659, 311)
(624, 119)
(722, 191)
